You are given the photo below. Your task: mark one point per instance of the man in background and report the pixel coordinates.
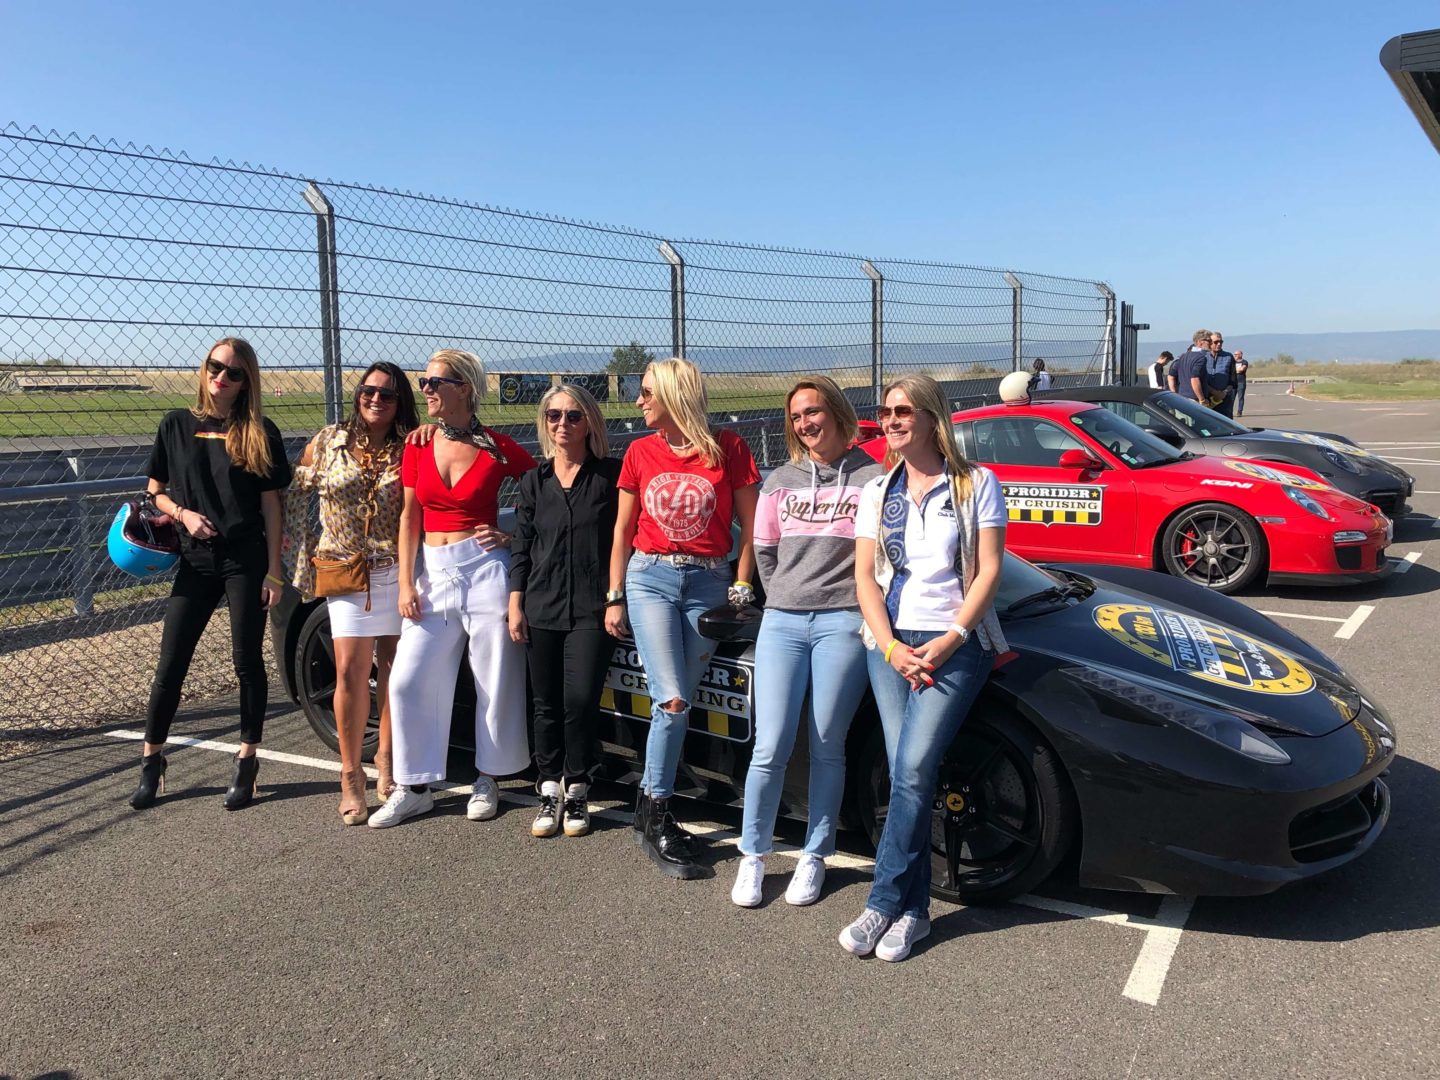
(1187, 372)
(1159, 370)
(1220, 378)
(1241, 367)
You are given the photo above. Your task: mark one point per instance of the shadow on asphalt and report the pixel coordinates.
(1417, 581)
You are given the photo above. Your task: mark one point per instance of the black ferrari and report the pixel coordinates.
(1142, 733)
(1191, 426)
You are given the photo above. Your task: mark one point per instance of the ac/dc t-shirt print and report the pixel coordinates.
(686, 505)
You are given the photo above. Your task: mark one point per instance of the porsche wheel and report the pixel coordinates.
(1213, 545)
(315, 684)
(1003, 818)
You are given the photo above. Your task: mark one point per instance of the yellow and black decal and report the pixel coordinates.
(1320, 440)
(720, 706)
(1275, 476)
(1204, 650)
(1054, 504)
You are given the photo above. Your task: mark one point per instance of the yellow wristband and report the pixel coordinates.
(276, 580)
(745, 583)
(891, 648)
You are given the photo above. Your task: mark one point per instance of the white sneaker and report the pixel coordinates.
(806, 882)
(547, 821)
(403, 803)
(903, 934)
(485, 803)
(577, 809)
(862, 934)
(749, 882)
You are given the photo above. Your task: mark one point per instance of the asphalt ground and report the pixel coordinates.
(185, 941)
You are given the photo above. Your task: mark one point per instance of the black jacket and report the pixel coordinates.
(560, 553)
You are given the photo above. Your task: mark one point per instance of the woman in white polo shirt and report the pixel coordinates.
(929, 538)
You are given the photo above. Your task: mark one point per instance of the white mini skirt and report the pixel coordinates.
(348, 617)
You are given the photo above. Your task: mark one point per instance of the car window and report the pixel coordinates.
(1129, 443)
(1201, 421)
(1130, 410)
(1019, 578)
(1019, 440)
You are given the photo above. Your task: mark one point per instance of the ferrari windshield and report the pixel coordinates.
(1201, 421)
(1132, 445)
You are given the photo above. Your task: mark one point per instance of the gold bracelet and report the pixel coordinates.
(276, 580)
(891, 648)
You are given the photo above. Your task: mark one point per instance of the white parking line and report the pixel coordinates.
(1348, 625)
(1297, 615)
(1410, 560)
(1147, 975)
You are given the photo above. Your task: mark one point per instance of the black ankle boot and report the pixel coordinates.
(242, 784)
(152, 781)
(669, 846)
(642, 816)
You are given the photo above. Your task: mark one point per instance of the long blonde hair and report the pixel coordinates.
(836, 404)
(927, 397)
(680, 389)
(596, 438)
(245, 440)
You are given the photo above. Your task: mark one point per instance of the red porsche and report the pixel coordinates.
(1082, 483)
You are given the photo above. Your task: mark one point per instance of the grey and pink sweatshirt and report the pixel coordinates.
(805, 532)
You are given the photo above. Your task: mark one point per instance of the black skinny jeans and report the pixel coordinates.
(567, 669)
(207, 572)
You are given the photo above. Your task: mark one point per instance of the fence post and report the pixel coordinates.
(1129, 344)
(82, 555)
(1017, 321)
(1107, 369)
(677, 296)
(329, 300)
(877, 329)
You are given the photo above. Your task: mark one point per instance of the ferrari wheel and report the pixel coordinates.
(315, 684)
(1213, 545)
(1003, 818)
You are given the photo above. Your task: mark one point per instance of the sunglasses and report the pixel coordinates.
(234, 374)
(646, 393)
(899, 412)
(385, 394)
(435, 382)
(553, 416)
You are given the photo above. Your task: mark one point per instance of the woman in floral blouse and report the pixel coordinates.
(354, 467)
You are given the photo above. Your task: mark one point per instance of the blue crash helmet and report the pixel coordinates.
(143, 541)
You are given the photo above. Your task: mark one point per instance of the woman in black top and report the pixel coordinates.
(559, 561)
(217, 468)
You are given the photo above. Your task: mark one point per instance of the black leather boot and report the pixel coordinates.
(152, 781)
(242, 784)
(669, 846)
(642, 817)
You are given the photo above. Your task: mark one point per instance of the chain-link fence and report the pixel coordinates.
(119, 266)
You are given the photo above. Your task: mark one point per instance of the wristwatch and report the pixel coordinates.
(614, 596)
(964, 634)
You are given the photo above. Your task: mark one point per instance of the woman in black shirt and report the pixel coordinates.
(559, 561)
(217, 468)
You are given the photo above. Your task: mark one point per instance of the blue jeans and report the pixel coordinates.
(919, 728)
(665, 603)
(818, 651)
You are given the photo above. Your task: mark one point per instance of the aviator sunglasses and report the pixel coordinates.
(435, 382)
(552, 416)
(384, 392)
(900, 412)
(234, 374)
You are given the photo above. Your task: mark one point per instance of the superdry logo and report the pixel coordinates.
(800, 508)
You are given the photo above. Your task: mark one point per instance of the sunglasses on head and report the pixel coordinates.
(234, 374)
(435, 382)
(899, 412)
(553, 416)
(383, 392)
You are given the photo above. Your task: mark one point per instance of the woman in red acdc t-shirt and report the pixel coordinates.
(460, 602)
(679, 489)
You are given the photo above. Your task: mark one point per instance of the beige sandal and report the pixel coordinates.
(352, 795)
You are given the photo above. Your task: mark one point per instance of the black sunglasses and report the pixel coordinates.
(234, 374)
(384, 392)
(435, 382)
(552, 416)
(646, 393)
(900, 412)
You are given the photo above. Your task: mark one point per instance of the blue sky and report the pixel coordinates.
(1240, 165)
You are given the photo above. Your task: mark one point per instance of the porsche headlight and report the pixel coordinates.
(1305, 502)
(1339, 460)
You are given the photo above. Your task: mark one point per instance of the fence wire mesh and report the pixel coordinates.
(120, 265)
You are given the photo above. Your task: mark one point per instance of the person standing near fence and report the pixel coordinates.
(669, 564)
(809, 649)
(929, 543)
(559, 564)
(354, 468)
(459, 603)
(218, 468)
(1242, 371)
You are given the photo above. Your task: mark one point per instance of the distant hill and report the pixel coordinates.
(1348, 348)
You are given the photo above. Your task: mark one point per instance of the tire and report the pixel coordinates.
(1238, 554)
(1002, 806)
(315, 684)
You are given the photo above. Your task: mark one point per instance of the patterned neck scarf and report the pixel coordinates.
(475, 435)
(894, 512)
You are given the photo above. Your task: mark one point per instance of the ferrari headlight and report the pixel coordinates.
(1339, 460)
(1305, 502)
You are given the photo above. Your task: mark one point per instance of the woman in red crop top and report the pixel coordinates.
(459, 602)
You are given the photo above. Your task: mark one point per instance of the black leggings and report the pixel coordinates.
(567, 668)
(208, 572)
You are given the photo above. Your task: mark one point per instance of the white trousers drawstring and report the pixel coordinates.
(472, 585)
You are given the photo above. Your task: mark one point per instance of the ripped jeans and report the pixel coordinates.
(665, 603)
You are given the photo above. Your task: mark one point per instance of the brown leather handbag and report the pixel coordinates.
(342, 577)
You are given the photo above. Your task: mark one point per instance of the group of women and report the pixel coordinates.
(873, 573)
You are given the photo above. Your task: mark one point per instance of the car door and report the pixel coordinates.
(1055, 513)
